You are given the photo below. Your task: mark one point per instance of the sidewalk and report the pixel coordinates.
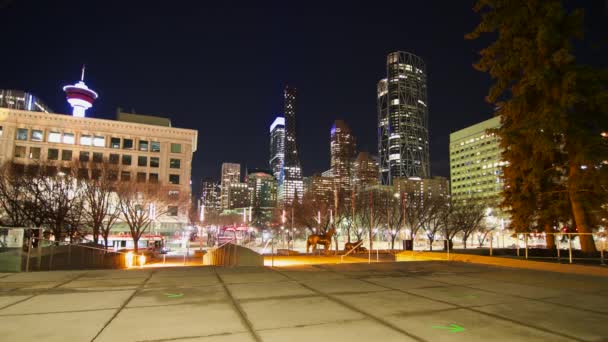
(415, 301)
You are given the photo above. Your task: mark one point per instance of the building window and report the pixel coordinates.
(96, 174)
(174, 163)
(155, 146)
(173, 194)
(143, 145)
(114, 142)
(154, 161)
(142, 161)
(127, 144)
(172, 211)
(35, 153)
(54, 137)
(141, 177)
(66, 154)
(68, 138)
(37, 135)
(99, 141)
(153, 178)
(84, 156)
(19, 151)
(176, 148)
(21, 133)
(125, 176)
(86, 140)
(112, 175)
(126, 159)
(97, 157)
(52, 154)
(173, 179)
(83, 173)
(114, 158)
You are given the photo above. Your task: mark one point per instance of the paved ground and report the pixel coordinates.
(420, 301)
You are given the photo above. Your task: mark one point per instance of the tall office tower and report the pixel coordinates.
(18, 99)
(277, 147)
(403, 134)
(263, 193)
(210, 195)
(365, 171)
(231, 173)
(342, 150)
(292, 184)
(476, 163)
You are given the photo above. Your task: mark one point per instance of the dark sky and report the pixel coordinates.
(220, 68)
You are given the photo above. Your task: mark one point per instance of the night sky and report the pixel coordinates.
(220, 68)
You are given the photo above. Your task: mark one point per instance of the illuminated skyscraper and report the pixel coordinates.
(231, 173)
(18, 99)
(403, 134)
(292, 184)
(365, 171)
(342, 150)
(277, 146)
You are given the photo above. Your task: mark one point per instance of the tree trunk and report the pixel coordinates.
(135, 244)
(549, 237)
(430, 245)
(580, 219)
(464, 241)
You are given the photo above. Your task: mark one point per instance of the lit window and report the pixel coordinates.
(37, 135)
(155, 146)
(99, 141)
(114, 142)
(176, 148)
(22, 134)
(86, 140)
(54, 137)
(68, 138)
(143, 145)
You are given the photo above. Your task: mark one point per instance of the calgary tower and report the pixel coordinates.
(80, 97)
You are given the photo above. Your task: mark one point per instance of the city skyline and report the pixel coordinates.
(191, 88)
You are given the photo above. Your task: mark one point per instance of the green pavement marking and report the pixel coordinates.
(451, 328)
(174, 295)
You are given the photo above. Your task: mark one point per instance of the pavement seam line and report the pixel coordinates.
(365, 314)
(135, 292)
(44, 291)
(237, 306)
(485, 313)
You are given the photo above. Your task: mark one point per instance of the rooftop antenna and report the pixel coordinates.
(82, 75)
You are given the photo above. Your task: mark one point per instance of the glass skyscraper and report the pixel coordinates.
(291, 185)
(403, 134)
(277, 146)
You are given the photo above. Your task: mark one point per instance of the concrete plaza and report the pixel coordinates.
(405, 301)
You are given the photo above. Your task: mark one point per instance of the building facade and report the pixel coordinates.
(231, 173)
(18, 99)
(322, 189)
(365, 171)
(263, 195)
(403, 135)
(292, 185)
(210, 195)
(342, 150)
(424, 188)
(475, 162)
(146, 153)
(238, 196)
(277, 147)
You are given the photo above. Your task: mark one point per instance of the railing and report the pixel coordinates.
(354, 249)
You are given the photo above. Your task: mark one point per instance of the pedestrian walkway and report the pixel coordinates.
(415, 301)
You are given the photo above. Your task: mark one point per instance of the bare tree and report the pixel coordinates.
(140, 204)
(12, 190)
(468, 215)
(437, 217)
(101, 202)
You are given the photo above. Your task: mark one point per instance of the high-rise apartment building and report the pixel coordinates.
(322, 189)
(262, 189)
(475, 162)
(423, 188)
(342, 151)
(403, 135)
(238, 196)
(210, 195)
(277, 147)
(292, 185)
(231, 173)
(365, 171)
